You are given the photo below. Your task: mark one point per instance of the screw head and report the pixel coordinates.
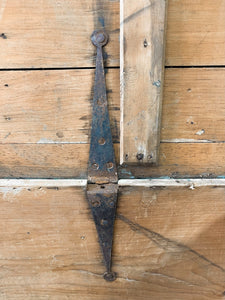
(95, 166)
(101, 141)
(104, 222)
(111, 203)
(109, 276)
(109, 165)
(99, 38)
(95, 202)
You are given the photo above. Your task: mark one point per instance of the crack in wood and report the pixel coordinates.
(166, 243)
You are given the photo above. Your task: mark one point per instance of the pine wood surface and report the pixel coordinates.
(142, 60)
(46, 116)
(45, 34)
(168, 244)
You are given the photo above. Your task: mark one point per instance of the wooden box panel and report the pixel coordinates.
(44, 34)
(46, 117)
(168, 244)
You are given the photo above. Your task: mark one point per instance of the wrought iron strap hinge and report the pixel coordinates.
(102, 185)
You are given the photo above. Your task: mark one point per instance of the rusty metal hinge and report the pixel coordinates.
(102, 186)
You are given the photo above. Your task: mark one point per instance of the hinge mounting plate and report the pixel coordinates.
(102, 186)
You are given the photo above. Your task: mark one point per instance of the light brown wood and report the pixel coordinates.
(70, 161)
(196, 33)
(194, 105)
(46, 115)
(52, 106)
(39, 34)
(57, 33)
(142, 42)
(55, 106)
(168, 245)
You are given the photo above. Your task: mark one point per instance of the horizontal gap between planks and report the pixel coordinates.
(186, 141)
(195, 67)
(110, 67)
(54, 69)
(192, 183)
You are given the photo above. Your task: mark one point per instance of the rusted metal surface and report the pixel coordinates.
(102, 173)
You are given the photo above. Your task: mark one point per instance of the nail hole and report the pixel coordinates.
(150, 156)
(145, 43)
(3, 36)
(102, 186)
(126, 157)
(140, 156)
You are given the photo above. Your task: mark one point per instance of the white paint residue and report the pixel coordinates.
(10, 191)
(200, 132)
(186, 141)
(47, 141)
(2, 8)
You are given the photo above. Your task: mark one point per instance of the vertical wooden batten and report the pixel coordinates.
(142, 64)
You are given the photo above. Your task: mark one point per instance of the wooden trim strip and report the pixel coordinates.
(42, 182)
(192, 183)
(142, 42)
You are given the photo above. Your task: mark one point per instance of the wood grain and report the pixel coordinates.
(46, 115)
(70, 161)
(142, 48)
(55, 106)
(194, 105)
(52, 106)
(196, 33)
(44, 34)
(57, 33)
(168, 245)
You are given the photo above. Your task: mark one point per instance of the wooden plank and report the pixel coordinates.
(142, 71)
(168, 245)
(56, 33)
(196, 33)
(43, 34)
(54, 29)
(70, 161)
(184, 160)
(48, 114)
(52, 106)
(194, 105)
(189, 113)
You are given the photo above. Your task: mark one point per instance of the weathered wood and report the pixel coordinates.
(55, 106)
(168, 245)
(37, 34)
(196, 33)
(46, 115)
(142, 33)
(57, 33)
(70, 161)
(52, 106)
(194, 105)
(184, 160)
